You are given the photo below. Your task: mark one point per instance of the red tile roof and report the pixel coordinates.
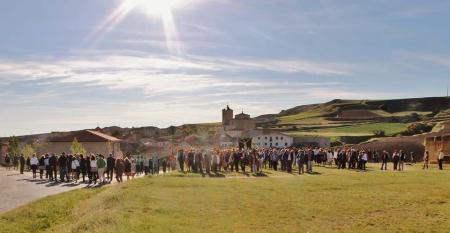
(86, 136)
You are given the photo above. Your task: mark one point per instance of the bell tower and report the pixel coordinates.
(227, 115)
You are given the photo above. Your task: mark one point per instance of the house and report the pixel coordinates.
(272, 140)
(434, 144)
(278, 139)
(94, 142)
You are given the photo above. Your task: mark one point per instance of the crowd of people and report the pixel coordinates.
(97, 168)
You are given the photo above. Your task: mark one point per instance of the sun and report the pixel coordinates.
(155, 8)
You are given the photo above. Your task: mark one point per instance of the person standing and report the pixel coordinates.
(75, 166)
(301, 162)
(62, 163)
(41, 167)
(34, 164)
(401, 164)
(384, 160)
(22, 163)
(110, 164)
(309, 161)
(426, 158)
(236, 160)
(119, 167)
(198, 162)
(93, 170)
(83, 167)
(395, 159)
(364, 159)
(274, 160)
(47, 166)
(127, 167)
(441, 159)
(101, 168)
(181, 159)
(54, 165)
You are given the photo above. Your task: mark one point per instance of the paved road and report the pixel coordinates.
(18, 189)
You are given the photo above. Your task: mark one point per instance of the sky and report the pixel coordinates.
(76, 64)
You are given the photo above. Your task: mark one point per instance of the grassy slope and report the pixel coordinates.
(355, 130)
(339, 201)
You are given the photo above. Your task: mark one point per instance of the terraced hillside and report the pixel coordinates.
(363, 118)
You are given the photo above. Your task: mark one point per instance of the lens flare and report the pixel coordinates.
(155, 10)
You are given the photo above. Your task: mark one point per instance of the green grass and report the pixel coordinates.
(355, 130)
(300, 116)
(332, 201)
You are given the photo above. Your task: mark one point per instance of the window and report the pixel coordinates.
(276, 144)
(285, 144)
(276, 138)
(281, 138)
(270, 138)
(265, 144)
(265, 138)
(259, 138)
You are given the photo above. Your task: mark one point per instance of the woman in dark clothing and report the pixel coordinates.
(41, 166)
(127, 168)
(83, 167)
(119, 167)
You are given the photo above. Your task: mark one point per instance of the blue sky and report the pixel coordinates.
(73, 64)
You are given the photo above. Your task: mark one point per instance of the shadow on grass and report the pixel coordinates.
(314, 173)
(217, 175)
(262, 174)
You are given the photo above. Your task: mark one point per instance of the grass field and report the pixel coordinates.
(355, 130)
(330, 201)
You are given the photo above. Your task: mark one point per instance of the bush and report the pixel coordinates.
(379, 133)
(417, 128)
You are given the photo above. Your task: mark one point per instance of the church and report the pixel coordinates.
(241, 121)
(237, 130)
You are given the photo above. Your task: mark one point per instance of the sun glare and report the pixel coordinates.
(156, 8)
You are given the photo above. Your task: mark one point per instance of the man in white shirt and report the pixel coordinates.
(34, 164)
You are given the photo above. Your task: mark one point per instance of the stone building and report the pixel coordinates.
(269, 140)
(241, 121)
(93, 142)
(435, 144)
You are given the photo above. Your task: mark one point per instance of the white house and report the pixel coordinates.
(272, 140)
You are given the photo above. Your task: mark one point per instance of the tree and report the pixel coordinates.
(13, 147)
(27, 150)
(77, 148)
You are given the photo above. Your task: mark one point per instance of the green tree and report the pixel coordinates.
(27, 150)
(13, 148)
(77, 147)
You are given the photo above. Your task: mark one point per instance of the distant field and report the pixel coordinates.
(355, 130)
(300, 116)
(330, 201)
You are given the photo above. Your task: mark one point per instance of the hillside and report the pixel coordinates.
(360, 118)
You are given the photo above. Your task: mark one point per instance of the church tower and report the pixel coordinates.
(227, 115)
